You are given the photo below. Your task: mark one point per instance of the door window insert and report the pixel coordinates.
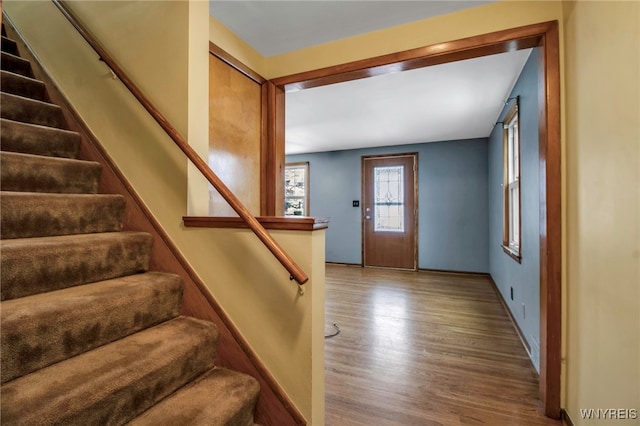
(389, 199)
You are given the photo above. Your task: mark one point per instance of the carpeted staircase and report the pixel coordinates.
(89, 336)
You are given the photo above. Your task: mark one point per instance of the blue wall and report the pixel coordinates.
(524, 277)
(452, 202)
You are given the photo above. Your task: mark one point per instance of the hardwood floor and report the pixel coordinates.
(423, 348)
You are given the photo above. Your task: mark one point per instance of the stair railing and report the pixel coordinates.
(296, 273)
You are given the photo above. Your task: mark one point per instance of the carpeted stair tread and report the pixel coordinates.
(9, 46)
(38, 140)
(36, 265)
(20, 85)
(220, 397)
(32, 214)
(113, 383)
(15, 64)
(43, 329)
(26, 110)
(37, 173)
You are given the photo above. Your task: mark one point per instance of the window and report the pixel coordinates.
(296, 189)
(511, 151)
(388, 184)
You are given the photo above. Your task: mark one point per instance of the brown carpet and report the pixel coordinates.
(88, 335)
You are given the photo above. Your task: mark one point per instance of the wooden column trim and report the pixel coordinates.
(440, 53)
(550, 154)
(266, 185)
(275, 147)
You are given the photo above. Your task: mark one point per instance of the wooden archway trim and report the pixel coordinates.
(458, 50)
(543, 35)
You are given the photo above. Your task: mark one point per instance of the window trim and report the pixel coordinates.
(511, 249)
(299, 165)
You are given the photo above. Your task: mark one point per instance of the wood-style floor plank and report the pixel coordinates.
(423, 348)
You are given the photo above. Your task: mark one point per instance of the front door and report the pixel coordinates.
(389, 211)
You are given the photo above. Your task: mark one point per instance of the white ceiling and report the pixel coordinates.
(460, 100)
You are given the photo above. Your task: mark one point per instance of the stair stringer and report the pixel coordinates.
(274, 407)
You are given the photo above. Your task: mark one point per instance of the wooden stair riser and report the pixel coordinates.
(37, 265)
(75, 320)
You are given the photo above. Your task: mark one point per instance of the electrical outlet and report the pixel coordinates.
(524, 311)
(511, 293)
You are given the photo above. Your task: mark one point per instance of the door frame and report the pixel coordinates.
(414, 155)
(543, 35)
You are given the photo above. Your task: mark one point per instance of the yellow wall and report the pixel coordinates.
(162, 45)
(602, 87)
(198, 92)
(286, 328)
(228, 41)
(142, 39)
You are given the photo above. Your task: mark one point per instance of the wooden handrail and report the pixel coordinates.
(290, 265)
